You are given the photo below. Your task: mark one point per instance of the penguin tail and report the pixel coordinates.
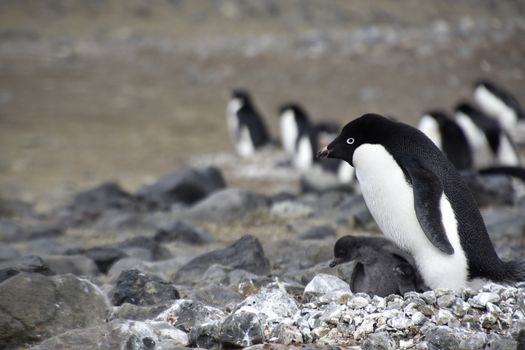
(515, 271)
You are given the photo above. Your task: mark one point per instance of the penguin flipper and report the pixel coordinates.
(428, 190)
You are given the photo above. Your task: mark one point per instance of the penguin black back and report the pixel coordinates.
(490, 127)
(503, 94)
(249, 116)
(453, 142)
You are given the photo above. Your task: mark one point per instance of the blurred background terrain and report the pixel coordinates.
(123, 90)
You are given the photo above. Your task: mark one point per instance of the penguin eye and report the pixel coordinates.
(350, 140)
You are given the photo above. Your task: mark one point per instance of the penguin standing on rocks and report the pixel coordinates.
(420, 202)
(380, 267)
(499, 103)
(448, 136)
(490, 143)
(247, 128)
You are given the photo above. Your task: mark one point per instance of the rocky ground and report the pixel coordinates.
(125, 222)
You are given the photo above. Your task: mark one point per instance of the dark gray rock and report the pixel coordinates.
(8, 253)
(119, 334)
(379, 341)
(135, 287)
(226, 205)
(246, 253)
(187, 314)
(286, 255)
(89, 206)
(145, 248)
(35, 307)
(489, 189)
(30, 263)
(442, 337)
(241, 329)
(104, 257)
(319, 232)
(502, 344)
(217, 296)
(205, 336)
(354, 209)
(135, 312)
(184, 186)
(79, 265)
(180, 231)
(11, 231)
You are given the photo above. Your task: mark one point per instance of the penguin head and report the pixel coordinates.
(344, 250)
(367, 129)
(242, 96)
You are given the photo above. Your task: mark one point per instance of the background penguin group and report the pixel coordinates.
(300, 137)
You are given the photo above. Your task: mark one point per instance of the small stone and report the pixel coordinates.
(429, 297)
(286, 334)
(460, 307)
(357, 303)
(366, 327)
(379, 341)
(400, 323)
(443, 338)
(419, 319)
(480, 301)
(320, 332)
(473, 341)
(406, 344)
(241, 329)
(488, 320)
(323, 283)
(446, 300)
(444, 317)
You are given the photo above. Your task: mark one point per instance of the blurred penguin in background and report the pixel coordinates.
(491, 145)
(247, 129)
(500, 104)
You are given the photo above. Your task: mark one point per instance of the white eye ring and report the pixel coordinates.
(350, 140)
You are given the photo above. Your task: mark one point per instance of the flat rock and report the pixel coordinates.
(323, 283)
(180, 231)
(226, 205)
(319, 232)
(184, 186)
(246, 253)
(35, 307)
(104, 256)
(135, 287)
(88, 206)
(119, 334)
(24, 264)
(79, 265)
(298, 254)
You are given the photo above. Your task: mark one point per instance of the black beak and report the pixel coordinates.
(323, 154)
(336, 262)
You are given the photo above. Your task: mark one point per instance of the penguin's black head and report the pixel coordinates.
(369, 128)
(242, 95)
(298, 112)
(344, 250)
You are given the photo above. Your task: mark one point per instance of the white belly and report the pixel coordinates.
(289, 132)
(482, 154)
(304, 155)
(231, 116)
(495, 107)
(507, 155)
(391, 202)
(244, 144)
(430, 127)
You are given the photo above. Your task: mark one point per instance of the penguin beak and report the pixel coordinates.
(336, 262)
(324, 153)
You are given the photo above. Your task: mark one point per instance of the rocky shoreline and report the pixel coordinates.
(152, 270)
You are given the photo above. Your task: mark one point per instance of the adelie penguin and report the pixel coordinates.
(420, 202)
(247, 129)
(490, 143)
(500, 104)
(448, 136)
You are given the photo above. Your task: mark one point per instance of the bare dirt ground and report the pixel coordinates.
(97, 95)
